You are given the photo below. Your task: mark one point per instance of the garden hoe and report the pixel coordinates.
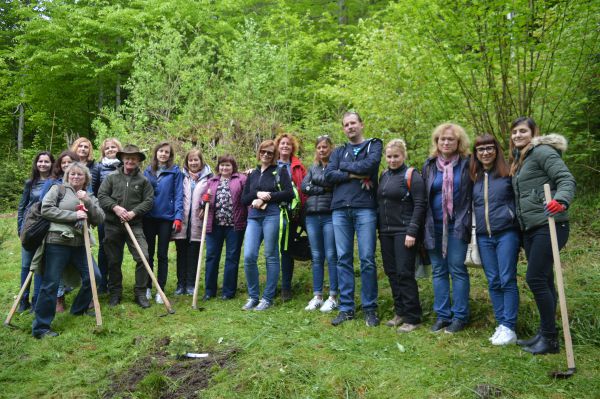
(13, 309)
(199, 267)
(148, 269)
(561, 296)
(88, 252)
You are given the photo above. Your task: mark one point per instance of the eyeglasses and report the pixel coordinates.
(266, 153)
(483, 150)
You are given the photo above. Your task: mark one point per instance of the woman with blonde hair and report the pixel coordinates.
(448, 224)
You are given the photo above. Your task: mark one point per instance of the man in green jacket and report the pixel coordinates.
(125, 196)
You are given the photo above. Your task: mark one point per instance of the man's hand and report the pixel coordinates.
(409, 241)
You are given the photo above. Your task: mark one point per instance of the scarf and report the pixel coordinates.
(446, 166)
(110, 161)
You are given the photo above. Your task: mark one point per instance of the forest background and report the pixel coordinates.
(224, 75)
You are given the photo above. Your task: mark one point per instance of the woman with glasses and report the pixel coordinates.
(319, 226)
(497, 233)
(266, 188)
(448, 224)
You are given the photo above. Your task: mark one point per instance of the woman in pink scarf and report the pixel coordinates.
(448, 224)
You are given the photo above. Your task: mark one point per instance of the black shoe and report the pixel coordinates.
(371, 319)
(206, 297)
(530, 341)
(543, 346)
(286, 295)
(142, 301)
(226, 298)
(180, 291)
(46, 334)
(439, 325)
(23, 306)
(114, 301)
(455, 326)
(342, 317)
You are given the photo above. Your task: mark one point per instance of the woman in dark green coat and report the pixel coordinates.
(536, 160)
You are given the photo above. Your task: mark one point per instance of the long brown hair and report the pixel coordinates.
(515, 164)
(56, 169)
(154, 162)
(500, 168)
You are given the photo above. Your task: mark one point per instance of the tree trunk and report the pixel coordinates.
(118, 92)
(343, 17)
(20, 127)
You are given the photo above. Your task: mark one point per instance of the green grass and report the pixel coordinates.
(289, 353)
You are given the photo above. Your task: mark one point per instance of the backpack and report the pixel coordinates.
(35, 226)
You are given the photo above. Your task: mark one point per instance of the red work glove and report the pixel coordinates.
(81, 207)
(177, 226)
(206, 197)
(366, 184)
(553, 207)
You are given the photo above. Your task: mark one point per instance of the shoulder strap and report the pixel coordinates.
(408, 176)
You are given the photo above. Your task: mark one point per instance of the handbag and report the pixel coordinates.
(298, 245)
(473, 259)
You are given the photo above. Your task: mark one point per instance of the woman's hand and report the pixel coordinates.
(82, 194)
(409, 241)
(81, 215)
(265, 196)
(257, 203)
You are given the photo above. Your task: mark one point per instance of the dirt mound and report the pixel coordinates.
(160, 375)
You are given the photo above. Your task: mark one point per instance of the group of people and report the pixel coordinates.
(342, 195)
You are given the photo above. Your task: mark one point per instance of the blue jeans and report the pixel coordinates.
(499, 255)
(319, 228)
(444, 268)
(214, 245)
(26, 258)
(267, 228)
(57, 257)
(363, 222)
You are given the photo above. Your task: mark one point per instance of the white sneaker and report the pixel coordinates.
(505, 337)
(329, 305)
(263, 304)
(495, 335)
(159, 299)
(314, 303)
(148, 293)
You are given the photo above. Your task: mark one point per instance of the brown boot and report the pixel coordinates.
(395, 322)
(60, 304)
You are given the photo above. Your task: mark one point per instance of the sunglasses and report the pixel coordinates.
(266, 153)
(483, 150)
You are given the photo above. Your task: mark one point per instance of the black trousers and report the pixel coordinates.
(162, 229)
(399, 267)
(540, 272)
(187, 262)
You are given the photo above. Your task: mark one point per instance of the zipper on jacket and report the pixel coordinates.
(486, 204)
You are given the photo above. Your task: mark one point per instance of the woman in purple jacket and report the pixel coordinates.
(167, 211)
(226, 224)
(187, 241)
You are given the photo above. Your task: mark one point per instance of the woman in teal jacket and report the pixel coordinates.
(536, 160)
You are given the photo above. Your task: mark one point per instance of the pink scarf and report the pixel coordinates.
(446, 166)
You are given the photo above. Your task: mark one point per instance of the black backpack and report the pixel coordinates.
(35, 227)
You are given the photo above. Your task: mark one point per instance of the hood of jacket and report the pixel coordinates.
(555, 140)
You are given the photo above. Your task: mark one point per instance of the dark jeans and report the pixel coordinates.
(187, 263)
(399, 267)
(233, 247)
(540, 273)
(102, 283)
(56, 258)
(162, 229)
(26, 257)
(114, 241)
(287, 262)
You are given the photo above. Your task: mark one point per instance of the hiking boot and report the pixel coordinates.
(46, 334)
(142, 301)
(314, 303)
(342, 317)
(114, 300)
(263, 304)
(530, 341)
(506, 336)
(250, 304)
(439, 325)
(60, 304)
(371, 319)
(543, 346)
(330, 304)
(180, 291)
(407, 327)
(286, 295)
(189, 290)
(395, 321)
(455, 326)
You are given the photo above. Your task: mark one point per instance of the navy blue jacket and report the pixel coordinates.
(168, 193)
(501, 205)
(99, 172)
(348, 192)
(462, 208)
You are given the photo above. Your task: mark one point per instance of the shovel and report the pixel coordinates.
(199, 267)
(561, 295)
(13, 309)
(148, 269)
(88, 252)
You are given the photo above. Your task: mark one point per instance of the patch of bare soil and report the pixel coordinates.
(177, 377)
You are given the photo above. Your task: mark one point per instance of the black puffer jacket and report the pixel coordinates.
(401, 211)
(318, 190)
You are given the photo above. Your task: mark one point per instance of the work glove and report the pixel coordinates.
(206, 197)
(554, 207)
(366, 184)
(177, 226)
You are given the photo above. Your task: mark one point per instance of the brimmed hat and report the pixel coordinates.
(131, 149)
